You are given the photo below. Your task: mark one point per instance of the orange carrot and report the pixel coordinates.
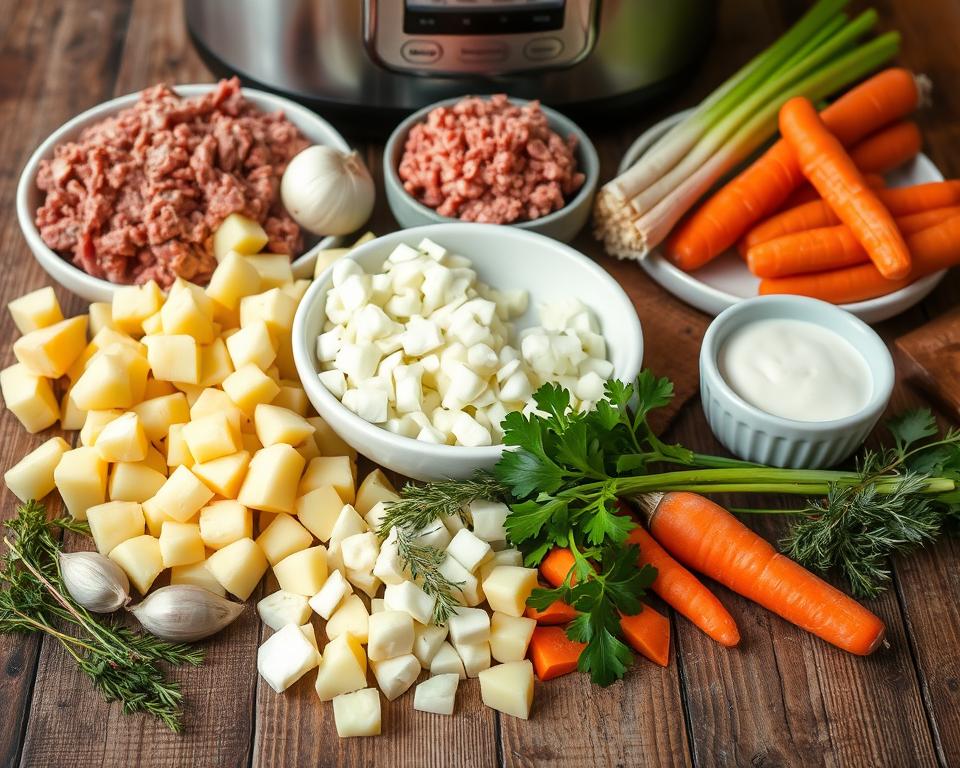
(888, 148)
(829, 168)
(706, 537)
(805, 193)
(933, 249)
(558, 612)
(763, 187)
(648, 633)
(553, 653)
(917, 222)
(556, 565)
(680, 589)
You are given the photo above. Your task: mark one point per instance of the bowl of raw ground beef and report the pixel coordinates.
(132, 189)
(491, 159)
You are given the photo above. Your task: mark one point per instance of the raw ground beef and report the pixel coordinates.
(139, 195)
(489, 160)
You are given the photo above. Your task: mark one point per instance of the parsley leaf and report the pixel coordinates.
(911, 427)
(527, 519)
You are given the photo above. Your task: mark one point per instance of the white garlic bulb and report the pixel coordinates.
(326, 191)
(183, 613)
(94, 581)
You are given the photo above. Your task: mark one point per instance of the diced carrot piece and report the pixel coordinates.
(558, 612)
(553, 653)
(556, 565)
(648, 633)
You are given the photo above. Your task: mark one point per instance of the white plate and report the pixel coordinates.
(726, 280)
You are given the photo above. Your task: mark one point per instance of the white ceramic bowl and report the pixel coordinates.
(29, 197)
(504, 257)
(758, 436)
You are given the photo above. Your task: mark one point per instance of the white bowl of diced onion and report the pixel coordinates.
(508, 260)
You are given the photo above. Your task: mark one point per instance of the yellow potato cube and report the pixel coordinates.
(251, 344)
(215, 363)
(51, 350)
(156, 388)
(122, 439)
(508, 688)
(343, 667)
(158, 413)
(32, 476)
(29, 397)
(292, 397)
(178, 454)
(71, 417)
(326, 258)
(240, 234)
(303, 572)
(238, 567)
(286, 365)
(329, 442)
(210, 437)
(308, 449)
(296, 289)
(174, 358)
(182, 495)
(204, 303)
(198, 575)
(156, 460)
(337, 471)
(132, 304)
(508, 587)
(153, 325)
(134, 481)
(271, 481)
(34, 310)
(351, 617)
(191, 391)
(212, 401)
(112, 379)
(81, 478)
(180, 544)
(114, 522)
(224, 522)
(234, 278)
(250, 443)
(140, 559)
(182, 314)
(249, 386)
(274, 308)
(283, 537)
(101, 316)
(279, 425)
(374, 489)
(273, 269)
(224, 476)
(318, 510)
(94, 423)
(154, 517)
(510, 636)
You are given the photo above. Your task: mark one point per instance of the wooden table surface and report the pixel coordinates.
(781, 698)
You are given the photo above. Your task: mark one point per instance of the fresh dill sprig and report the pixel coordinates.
(122, 664)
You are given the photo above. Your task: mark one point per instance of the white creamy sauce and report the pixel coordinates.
(796, 370)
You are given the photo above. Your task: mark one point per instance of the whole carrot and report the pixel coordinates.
(682, 590)
(888, 148)
(933, 249)
(807, 194)
(709, 539)
(833, 174)
(764, 186)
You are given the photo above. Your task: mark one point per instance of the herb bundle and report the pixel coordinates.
(123, 664)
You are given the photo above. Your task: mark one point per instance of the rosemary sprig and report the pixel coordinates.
(122, 664)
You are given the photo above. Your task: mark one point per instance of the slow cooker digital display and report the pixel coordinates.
(481, 17)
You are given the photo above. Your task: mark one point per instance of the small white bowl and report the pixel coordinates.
(755, 435)
(30, 198)
(504, 258)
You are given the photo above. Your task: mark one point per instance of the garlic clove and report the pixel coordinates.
(183, 613)
(94, 582)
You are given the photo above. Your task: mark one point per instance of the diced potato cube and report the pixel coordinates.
(287, 367)
(81, 478)
(34, 310)
(29, 397)
(318, 510)
(94, 424)
(437, 695)
(122, 439)
(154, 517)
(365, 581)
(331, 594)
(390, 634)
(183, 315)
(140, 559)
(240, 234)
(271, 481)
(475, 656)
(510, 636)
(285, 657)
(234, 278)
(248, 386)
(225, 475)
(357, 714)
(469, 625)
(181, 496)
(273, 269)
(374, 489)
(508, 688)
(348, 524)
(427, 639)
(174, 358)
(326, 257)
(359, 551)
(158, 413)
(350, 617)
(281, 608)
(252, 345)
(180, 543)
(131, 481)
(204, 303)
(113, 523)
(210, 437)
(113, 379)
(343, 667)
(155, 460)
(33, 476)
(153, 325)
(215, 363)
(51, 350)
(468, 550)
(273, 307)
(250, 443)
(283, 537)
(155, 389)
(308, 449)
(507, 556)
(408, 597)
(311, 634)
(508, 587)
(303, 572)
(329, 442)
(132, 304)
(101, 316)
(466, 586)
(178, 454)
(337, 471)
(224, 522)
(395, 675)
(293, 398)
(71, 417)
(279, 425)
(238, 567)
(374, 518)
(198, 575)
(211, 401)
(297, 289)
(447, 661)
(488, 519)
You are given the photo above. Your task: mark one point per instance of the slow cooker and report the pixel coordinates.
(361, 60)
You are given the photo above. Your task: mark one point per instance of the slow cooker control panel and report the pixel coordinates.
(483, 37)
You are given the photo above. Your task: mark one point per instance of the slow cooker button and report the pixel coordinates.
(421, 51)
(543, 48)
(480, 52)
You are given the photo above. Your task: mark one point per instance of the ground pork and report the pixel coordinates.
(489, 160)
(138, 196)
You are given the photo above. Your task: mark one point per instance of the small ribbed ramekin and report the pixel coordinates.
(755, 435)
